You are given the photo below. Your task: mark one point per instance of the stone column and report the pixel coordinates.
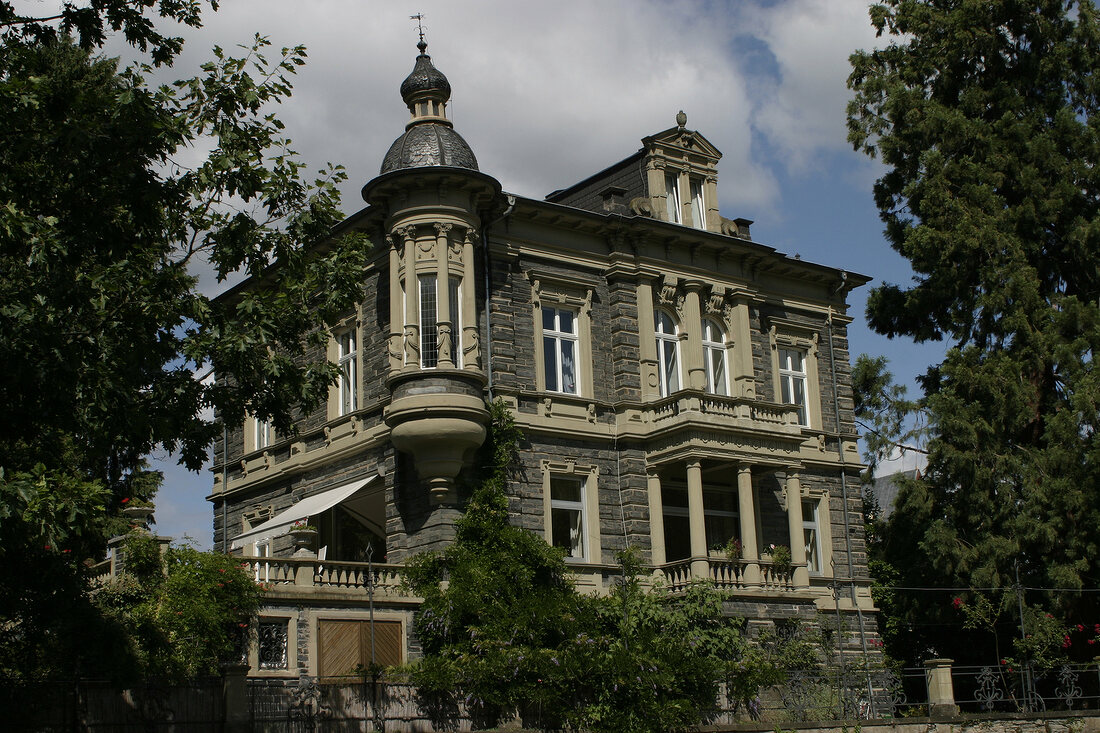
(742, 382)
(941, 690)
(700, 566)
(444, 324)
(471, 348)
(710, 196)
(235, 697)
(647, 347)
(656, 517)
(801, 576)
(746, 509)
(692, 353)
(412, 301)
(397, 318)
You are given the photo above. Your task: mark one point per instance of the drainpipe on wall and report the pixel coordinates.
(488, 324)
(844, 492)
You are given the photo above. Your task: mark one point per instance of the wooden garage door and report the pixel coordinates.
(344, 645)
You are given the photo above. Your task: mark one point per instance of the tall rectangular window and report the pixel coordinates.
(698, 206)
(812, 535)
(429, 333)
(714, 357)
(672, 197)
(567, 528)
(792, 381)
(677, 524)
(453, 299)
(349, 376)
(559, 349)
(720, 516)
(263, 434)
(667, 333)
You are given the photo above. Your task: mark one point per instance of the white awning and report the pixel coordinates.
(304, 509)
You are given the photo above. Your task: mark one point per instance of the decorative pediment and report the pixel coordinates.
(679, 138)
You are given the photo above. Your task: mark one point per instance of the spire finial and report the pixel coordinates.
(419, 18)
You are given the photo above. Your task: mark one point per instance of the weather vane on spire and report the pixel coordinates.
(419, 18)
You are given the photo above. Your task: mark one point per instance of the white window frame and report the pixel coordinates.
(263, 434)
(788, 335)
(552, 344)
(587, 477)
(574, 293)
(667, 383)
(714, 348)
(672, 198)
(698, 203)
(454, 295)
(794, 381)
(347, 343)
(578, 549)
(813, 524)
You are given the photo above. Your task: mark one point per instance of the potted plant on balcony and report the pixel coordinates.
(733, 549)
(304, 535)
(780, 556)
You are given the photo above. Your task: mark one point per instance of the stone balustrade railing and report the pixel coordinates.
(730, 575)
(283, 571)
(769, 414)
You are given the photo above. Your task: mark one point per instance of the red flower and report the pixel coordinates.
(1092, 641)
(1004, 662)
(221, 570)
(1080, 627)
(124, 500)
(46, 547)
(957, 603)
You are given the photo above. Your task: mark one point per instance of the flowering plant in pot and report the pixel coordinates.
(781, 556)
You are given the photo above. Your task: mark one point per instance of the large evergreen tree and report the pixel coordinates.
(985, 113)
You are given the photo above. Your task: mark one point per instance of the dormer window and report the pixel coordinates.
(698, 206)
(672, 197)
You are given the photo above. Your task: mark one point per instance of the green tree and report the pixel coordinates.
(180, 612)
(106, 339)
(985, 116)
(508, 634)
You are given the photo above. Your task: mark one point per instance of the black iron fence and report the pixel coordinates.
(1027, 689)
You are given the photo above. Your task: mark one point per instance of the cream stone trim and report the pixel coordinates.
(789, 334)
(291, 671)
(567, 293)
(589, 475)
(316, 617)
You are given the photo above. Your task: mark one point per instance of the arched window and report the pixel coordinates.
(668, 352)
(714, 357)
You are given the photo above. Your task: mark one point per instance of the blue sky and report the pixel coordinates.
(547, 95)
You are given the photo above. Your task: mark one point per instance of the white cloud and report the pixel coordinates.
(803, 113)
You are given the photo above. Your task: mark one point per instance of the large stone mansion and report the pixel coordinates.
(679, 386)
